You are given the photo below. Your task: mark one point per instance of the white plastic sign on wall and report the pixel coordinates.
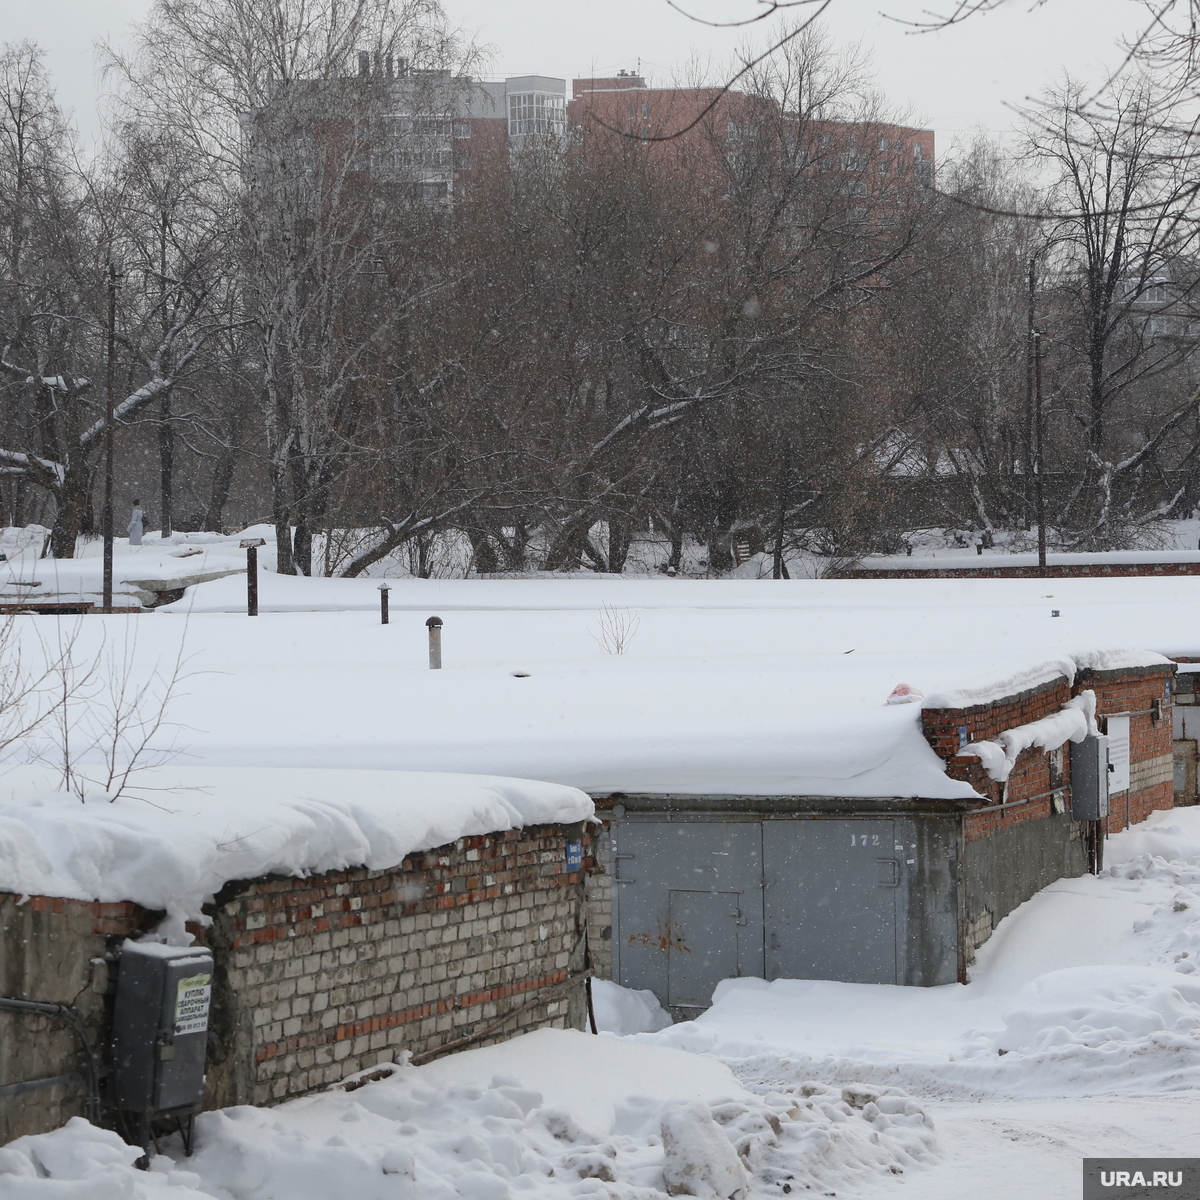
(191, 1004)
(1118, 754)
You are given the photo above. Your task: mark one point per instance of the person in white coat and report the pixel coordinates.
(137, 524)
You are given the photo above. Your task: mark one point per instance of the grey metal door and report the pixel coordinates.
(704, 950)
(830, 898)
(688, 906)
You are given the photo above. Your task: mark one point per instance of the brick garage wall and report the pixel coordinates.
(1142, 692)
(1019, 843)
(599, 905)
(1035, 775)
(1146, 695)
(318, 978)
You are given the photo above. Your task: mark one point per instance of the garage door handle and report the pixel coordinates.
(889, 872)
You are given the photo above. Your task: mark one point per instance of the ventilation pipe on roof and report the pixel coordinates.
(364, 63)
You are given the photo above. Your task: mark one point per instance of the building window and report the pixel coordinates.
(431, 127)
(431, 190)
(883, 143)
(462, 129)
(884, 166)
(537, 113)
(645, 112)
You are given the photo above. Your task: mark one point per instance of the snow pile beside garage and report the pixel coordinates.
(1090, 988)
(1099, 1006)
(623, 1010)
(180, 834)
(545, 1115)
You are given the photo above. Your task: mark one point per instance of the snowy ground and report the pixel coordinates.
(1077, 1036)
(449, 555)
(1090, 990)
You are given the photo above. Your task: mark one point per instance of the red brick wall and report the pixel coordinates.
(1150, 736)
(1130, 691)
(1030, 777)
(1052, 571)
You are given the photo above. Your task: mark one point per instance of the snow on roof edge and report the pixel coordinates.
(215, 825)
(1045, 672)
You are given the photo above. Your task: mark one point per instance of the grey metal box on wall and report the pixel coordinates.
(1089, 779)
(160, 1026)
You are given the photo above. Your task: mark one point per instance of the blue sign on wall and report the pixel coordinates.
(574, 856)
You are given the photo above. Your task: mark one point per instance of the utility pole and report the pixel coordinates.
(166, 432)
(109, 422)
(1029, 382)
(1039, 493)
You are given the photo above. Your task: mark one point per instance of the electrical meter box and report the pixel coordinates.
(1089, 779)
(160, 1026)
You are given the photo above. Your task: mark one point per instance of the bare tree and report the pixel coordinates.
(1126, 235)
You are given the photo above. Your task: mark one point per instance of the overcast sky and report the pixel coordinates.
(954, 80)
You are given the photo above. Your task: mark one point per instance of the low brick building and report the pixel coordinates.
(869, 888)
(314, 978)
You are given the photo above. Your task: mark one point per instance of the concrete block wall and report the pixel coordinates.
(53, 949)
(315, 978)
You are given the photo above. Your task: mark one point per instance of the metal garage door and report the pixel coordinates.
(831, 889)
(698, 901)
(689, 906)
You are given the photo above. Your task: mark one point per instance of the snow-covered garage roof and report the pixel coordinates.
(722, 688)
(181, 833)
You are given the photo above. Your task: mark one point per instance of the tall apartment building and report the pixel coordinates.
(497, 119)
(441, 134)
(877, 158)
